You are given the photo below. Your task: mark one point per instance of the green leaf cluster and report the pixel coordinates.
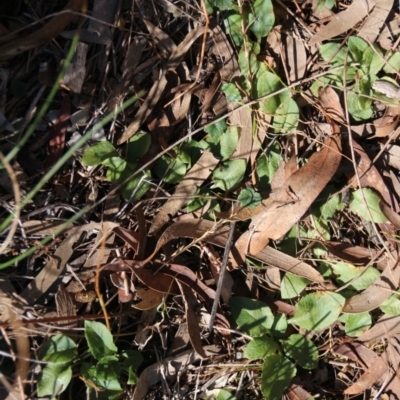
(121, 169)
(358, 65)
(61, 354)
(268, 343)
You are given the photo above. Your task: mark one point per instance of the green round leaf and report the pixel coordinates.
(58, 349)
(261, 347)
(264, 18)
(359, 207)
(393, 64)
(99, 339)
(116, 166)
(253, 317)
(292, 285)
(318, 310)
(229, 141)
(171, 171)
(98, 153)
(137, 186)
(361, 278)
(249, 198)
(286, 117)
(277, 372)
(138, 146)
(357, 324)
(232, 93)
(391, 306)
(301, 350)
(54, 379)
(233, 25)
(229, 174)
(225, 395)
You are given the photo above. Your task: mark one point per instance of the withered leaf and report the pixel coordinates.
(293, 199)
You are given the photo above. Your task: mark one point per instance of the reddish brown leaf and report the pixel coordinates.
(191, 305)
(294, 198)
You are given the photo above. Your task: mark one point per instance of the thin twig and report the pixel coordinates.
(221, 275)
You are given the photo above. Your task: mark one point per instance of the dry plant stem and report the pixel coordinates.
(97, 281)
(221, 275)
(17, 197)
(353, 157)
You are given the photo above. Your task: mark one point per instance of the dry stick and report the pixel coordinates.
(221, 276)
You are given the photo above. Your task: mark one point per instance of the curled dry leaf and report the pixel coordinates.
(191, 305)
(42, 35)
(344, 20)
(294, 198)
(185, 190)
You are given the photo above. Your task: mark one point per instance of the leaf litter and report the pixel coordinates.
(280, 117)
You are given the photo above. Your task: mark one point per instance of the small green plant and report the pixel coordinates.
(120, 169)
(102, 377)
(358, 64)
(269, 344)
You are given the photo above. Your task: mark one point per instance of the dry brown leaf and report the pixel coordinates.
(387, 326)
(375, 20)
(148, 299)
(35, 227)
(158, 281)
(152, 375)
(185, 190)
(377, 293)
(356, 352)
(188, 277)
(218, 235)
(392, 155)
(42, 35)
(75, 74)
(330, 104)
(56, 264)
(158, 87)
(295, 52)
(293, 199)
(296, 392)
(355, 254)
(163, 42)
(344, 20)
(392, 216)
(384, 126)
(375, 365)
(191, 305)
(223, 50)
